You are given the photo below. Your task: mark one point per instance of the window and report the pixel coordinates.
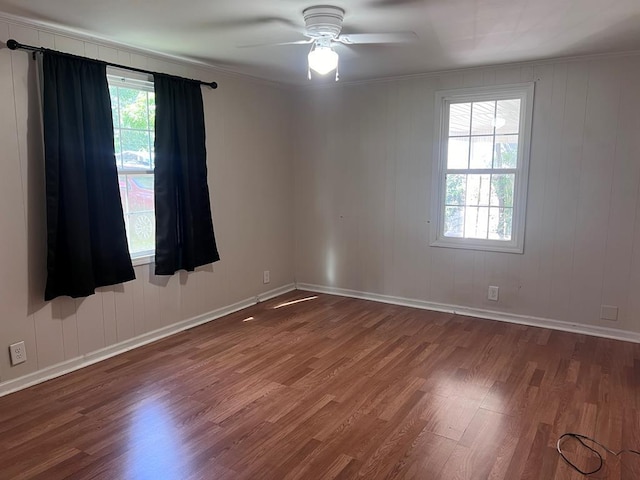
(481, 167)
(133, 107)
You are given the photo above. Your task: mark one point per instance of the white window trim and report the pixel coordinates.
(525, 92)
(143, 258)
(142, 81)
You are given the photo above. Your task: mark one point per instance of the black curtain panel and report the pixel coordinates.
(86, 238)
(184, 229)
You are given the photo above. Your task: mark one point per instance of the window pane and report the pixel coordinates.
(133, 116)
(113, 93)
(502, 190)
(133, 108)
(478, 189)
(152, 110)
(141, 230)
(483, 118)
(122, 183)
(140, 193)
(117, 147)
(458, 153)
(486, 134)
(152, 145)
(453, 221)
(506, 154)
(508, 116)
(481, 152)
(459, 119)
(476, 222)
(455, 189)
(500, 223)
(135, 145)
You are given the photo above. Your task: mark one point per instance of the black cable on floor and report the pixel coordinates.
(581, 438)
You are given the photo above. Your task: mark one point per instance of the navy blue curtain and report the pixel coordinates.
(184, 228)
(86, 238)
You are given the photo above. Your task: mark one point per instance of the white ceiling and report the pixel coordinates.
(452, 33)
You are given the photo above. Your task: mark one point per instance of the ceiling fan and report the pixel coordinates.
(323, 27)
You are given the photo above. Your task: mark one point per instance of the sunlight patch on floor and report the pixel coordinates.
(293, 302)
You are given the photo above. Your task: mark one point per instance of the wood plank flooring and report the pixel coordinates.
(332, 388)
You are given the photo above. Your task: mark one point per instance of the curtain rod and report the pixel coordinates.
(14, 45)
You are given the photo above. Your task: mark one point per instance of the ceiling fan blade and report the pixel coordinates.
(361, 38)
(299, 42)
(230, 23)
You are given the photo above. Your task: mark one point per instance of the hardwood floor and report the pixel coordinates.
(332, 388)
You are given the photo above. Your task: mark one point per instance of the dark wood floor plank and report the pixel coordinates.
(310, 386)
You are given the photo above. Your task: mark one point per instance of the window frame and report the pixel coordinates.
(443, 100)
(130, 79)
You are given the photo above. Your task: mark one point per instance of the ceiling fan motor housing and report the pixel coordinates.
(323, 21)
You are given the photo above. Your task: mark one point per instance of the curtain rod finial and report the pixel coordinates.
(12, 44)
(213, 85)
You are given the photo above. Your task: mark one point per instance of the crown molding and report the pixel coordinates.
(83, 35)
(103, 41)
(439, 73)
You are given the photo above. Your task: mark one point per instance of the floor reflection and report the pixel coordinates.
(155, 448)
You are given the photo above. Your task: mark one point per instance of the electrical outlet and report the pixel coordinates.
(493, 294)
(266, 277)
(609, 312)
(18, 353)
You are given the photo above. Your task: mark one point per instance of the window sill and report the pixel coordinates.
(143, 260)
(466, 244)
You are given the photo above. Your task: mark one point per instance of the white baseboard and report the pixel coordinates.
(77, 363)
(593, 330)
(263, 297)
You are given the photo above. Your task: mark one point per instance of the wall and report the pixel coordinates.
(363, 161)
(360, 184)
(250, 180)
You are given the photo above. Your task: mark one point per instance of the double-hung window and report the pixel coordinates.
(481, 167)
(133, 107)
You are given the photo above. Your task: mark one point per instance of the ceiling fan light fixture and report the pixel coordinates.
(323, 60)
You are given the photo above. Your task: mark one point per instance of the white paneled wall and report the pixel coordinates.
(250, 179)
(343, 174)
(363, 162)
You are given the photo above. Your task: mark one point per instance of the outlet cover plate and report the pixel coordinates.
(18, 353)
(266, 276)
(492, 294)
(609, 312)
